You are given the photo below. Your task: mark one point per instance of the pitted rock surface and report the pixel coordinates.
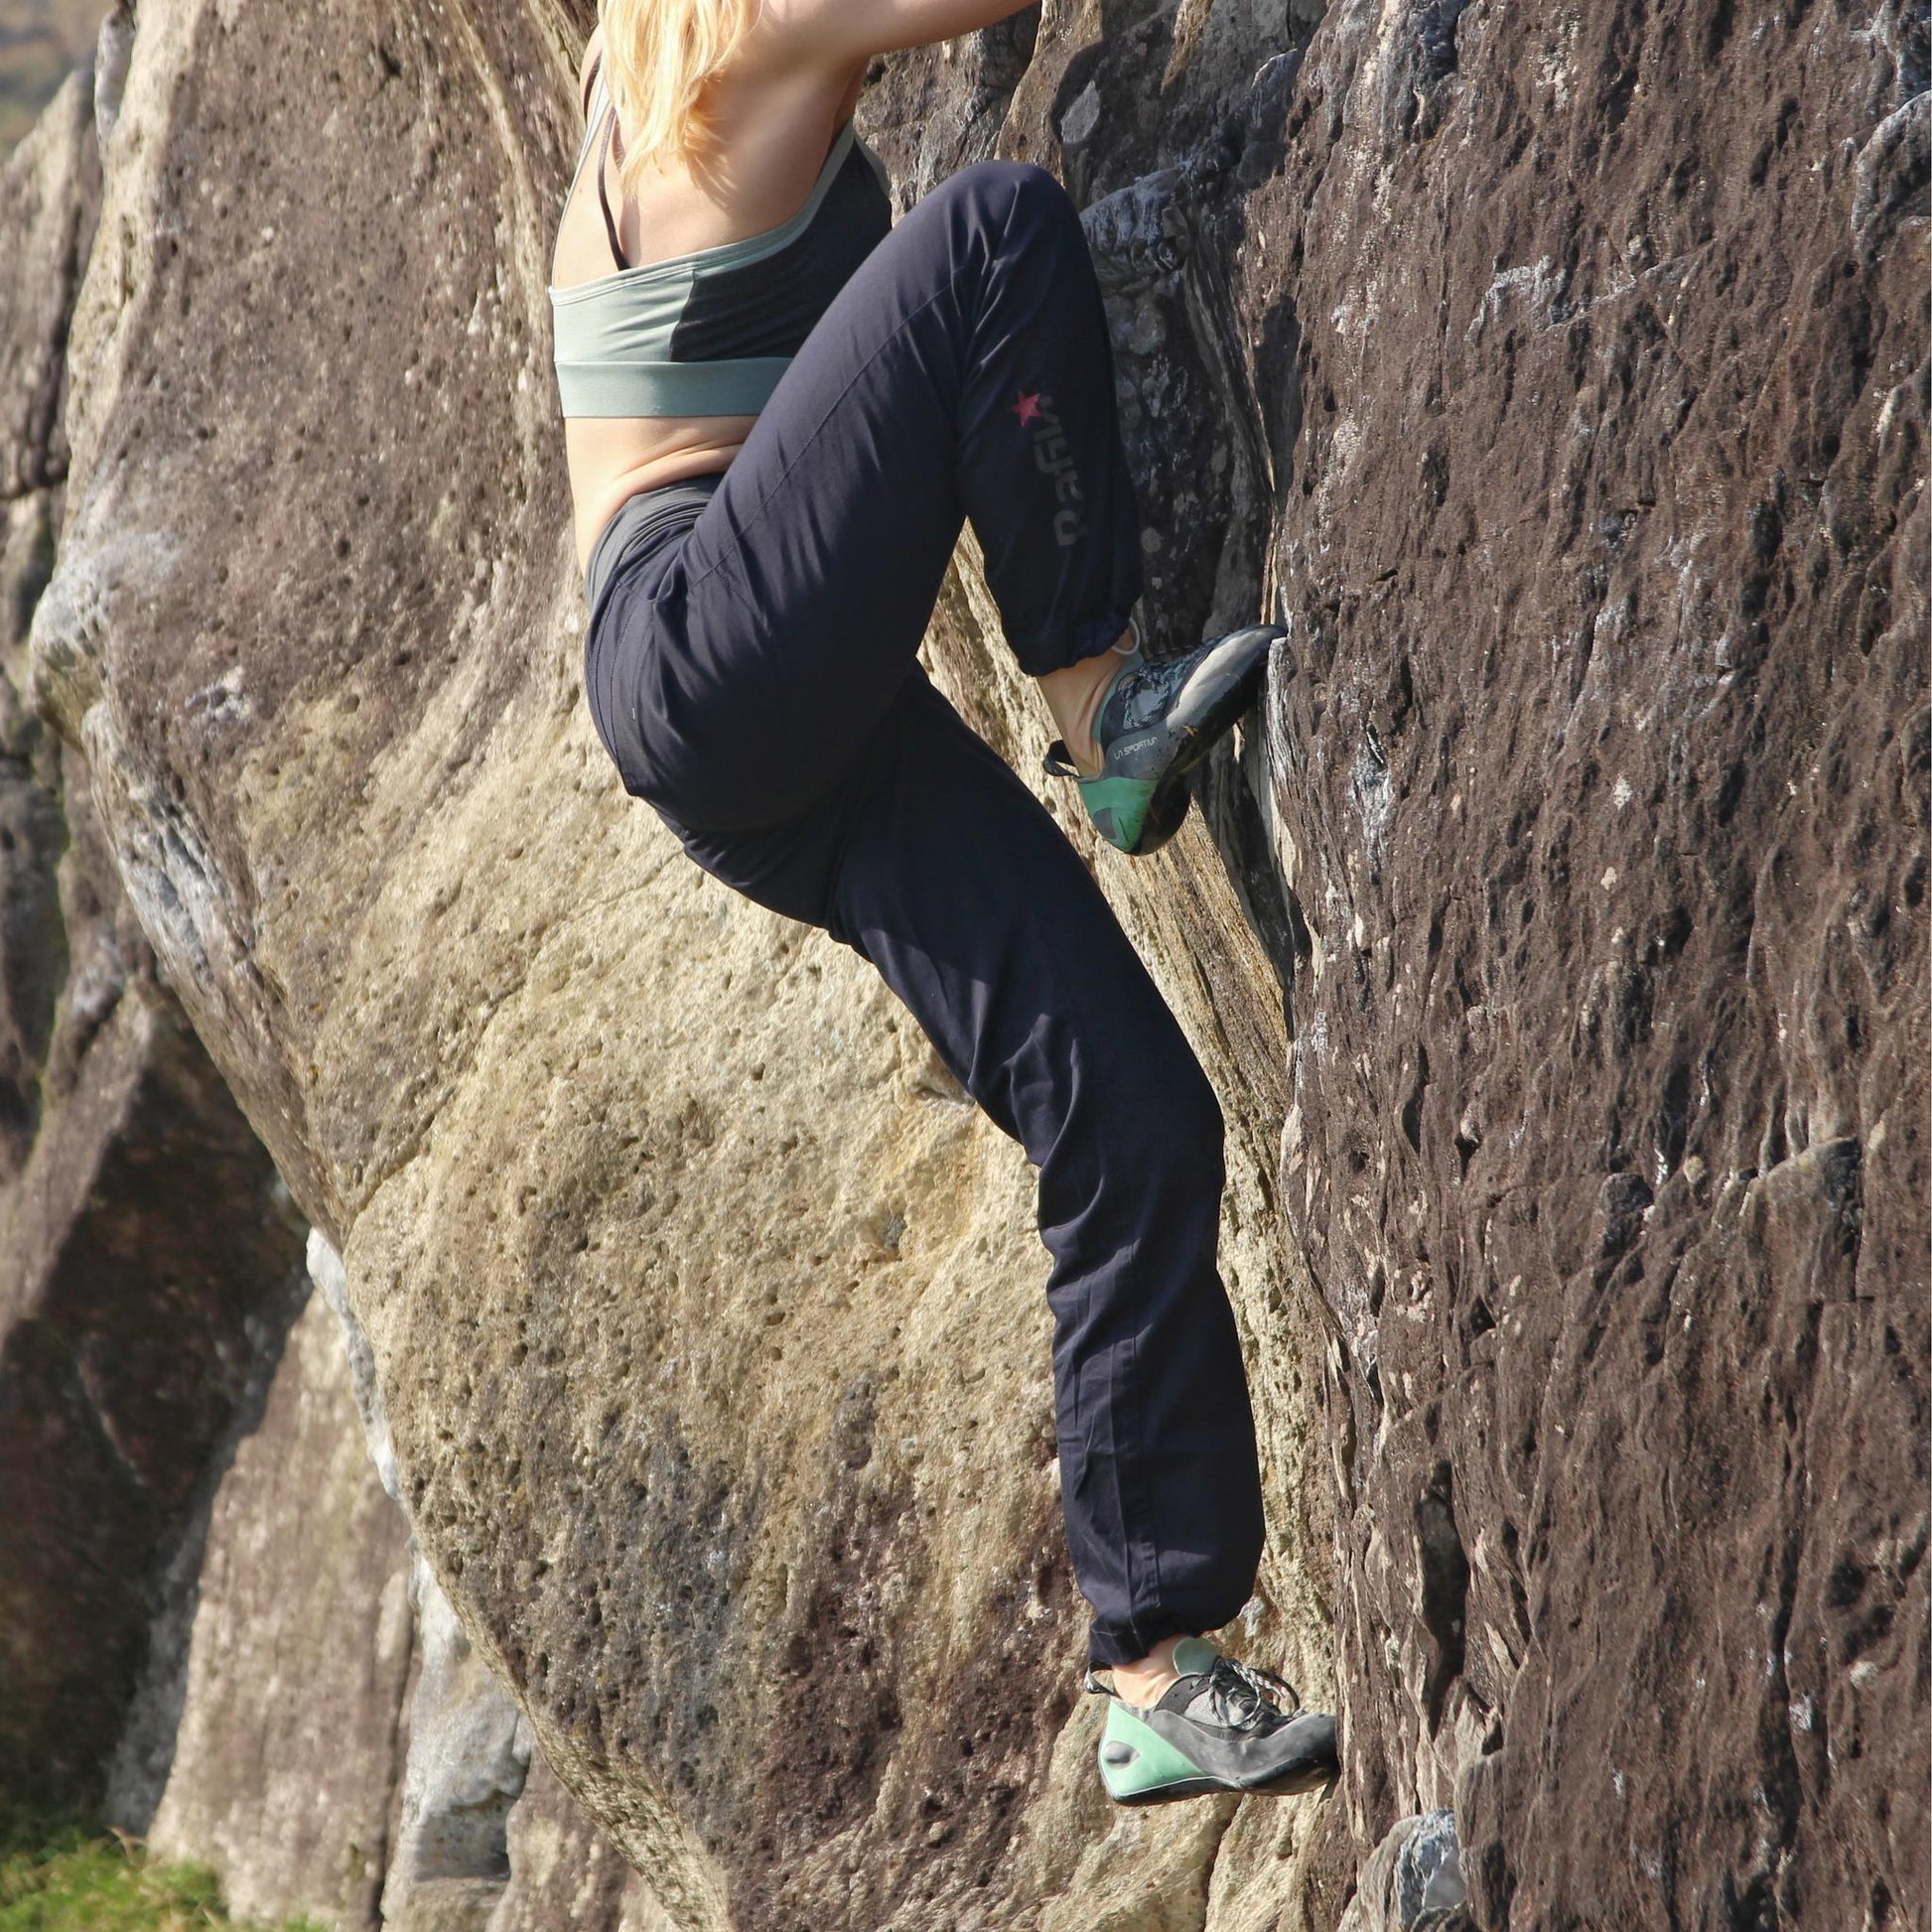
(142, 1234)
(1559, 381)
(1601, 797)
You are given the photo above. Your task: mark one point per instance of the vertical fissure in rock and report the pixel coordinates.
(1445, 1575)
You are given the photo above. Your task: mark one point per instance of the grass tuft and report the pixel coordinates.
(69, 1877)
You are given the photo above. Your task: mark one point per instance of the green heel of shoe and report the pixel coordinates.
(1123, 810)
(1140, 1767)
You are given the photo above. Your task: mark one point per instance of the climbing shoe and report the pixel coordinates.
(1224, 1727)
(1160, 717)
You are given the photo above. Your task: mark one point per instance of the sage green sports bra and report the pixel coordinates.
(709, 333)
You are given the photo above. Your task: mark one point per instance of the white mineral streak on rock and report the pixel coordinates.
(113, 54)
(1082, 117)
(331, 1280)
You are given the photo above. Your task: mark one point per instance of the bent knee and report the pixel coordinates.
(1009, 189)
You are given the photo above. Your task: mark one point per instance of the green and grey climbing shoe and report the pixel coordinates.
(1222, 1728)
(1160, 717)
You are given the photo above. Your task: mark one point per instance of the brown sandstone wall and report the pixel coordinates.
(1603, 802)
(204, 1603)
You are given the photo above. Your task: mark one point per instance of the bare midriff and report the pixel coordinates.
(614, 458)
(774, 124)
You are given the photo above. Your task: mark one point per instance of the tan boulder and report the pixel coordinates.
(709, 1316)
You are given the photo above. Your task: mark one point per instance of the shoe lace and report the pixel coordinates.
(1240, 1695)
(1148, 689)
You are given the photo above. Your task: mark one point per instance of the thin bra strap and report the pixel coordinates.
(612, 148)
(594, 93)
(603, 193)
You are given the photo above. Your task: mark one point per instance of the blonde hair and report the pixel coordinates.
(659, 57)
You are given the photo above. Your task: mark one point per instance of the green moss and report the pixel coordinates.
(68, 1878)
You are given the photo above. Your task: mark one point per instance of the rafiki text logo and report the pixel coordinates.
(1055, 460)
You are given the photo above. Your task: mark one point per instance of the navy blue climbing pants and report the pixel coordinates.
(751, 670)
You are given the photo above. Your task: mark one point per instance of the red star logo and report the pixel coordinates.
(1027, 407)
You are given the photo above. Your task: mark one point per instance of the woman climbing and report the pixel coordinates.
(779, 409)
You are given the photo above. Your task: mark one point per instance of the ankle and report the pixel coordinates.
(1148, 1679)
(1080, 745)
(1074, 697)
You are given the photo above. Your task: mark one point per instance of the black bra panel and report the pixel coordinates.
(767, 306)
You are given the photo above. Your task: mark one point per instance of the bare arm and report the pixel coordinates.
(846, 31)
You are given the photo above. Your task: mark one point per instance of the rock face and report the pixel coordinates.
(1606, 1137)
(312, 1720)
(143, 1232)
(1412, 1881)
(206, 1605)
(1603, 802)
(1555, 941)
(281, 1761)
(720, 1395)
(125, 1354)
(48, 188)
